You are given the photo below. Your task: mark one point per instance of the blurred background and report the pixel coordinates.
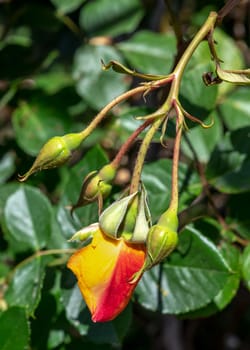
(52, 83)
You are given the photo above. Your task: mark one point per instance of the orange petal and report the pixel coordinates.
(104, 269)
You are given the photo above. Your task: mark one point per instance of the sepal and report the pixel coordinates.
(85, 233)
(128, 218)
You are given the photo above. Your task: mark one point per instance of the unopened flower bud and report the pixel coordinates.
(96, 185)
(128, 217)
(54, 153)
(162, 238)
(161, 241)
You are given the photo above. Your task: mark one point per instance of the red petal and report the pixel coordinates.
(104, 269)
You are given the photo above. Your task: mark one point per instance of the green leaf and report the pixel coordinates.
(96, 86)
(234, 60)
(66, 6)
(27, 218)
(235, 109)
(127, 123)
(18, 36)
(236, 77)
(56, 337)
(229, 166)
(120, 68)
(194, 274)
(7, 166)
(75, 307)
(93, 160)
(157, 177)
(37, 121)
(195, 96)
(53, 80)
(106, 17)
(230, 288)
(14, 330)
(5, 191)
(57, 239)
(246, 266)
(150, 53)
(78, 315)
(202, 141)
(25, 287)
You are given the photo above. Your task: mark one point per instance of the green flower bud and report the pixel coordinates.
(96, 185)
(128, 217)
(162, 238)
(54, 153)
(161, 241)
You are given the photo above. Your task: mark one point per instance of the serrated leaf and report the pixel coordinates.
(228, 290)
(14, 329)
(96, 86)
(232, 256)
(25, 287)
(150, 53)
(190, 279)
(246, 266)
(28, 218)
(106, 17)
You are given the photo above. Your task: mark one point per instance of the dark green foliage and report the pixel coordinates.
(52, 83)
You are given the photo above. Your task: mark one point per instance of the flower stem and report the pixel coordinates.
(102, 114)
(176, 155)
(201, 34)
(142, 154)
(174, 77)
(123, 150)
